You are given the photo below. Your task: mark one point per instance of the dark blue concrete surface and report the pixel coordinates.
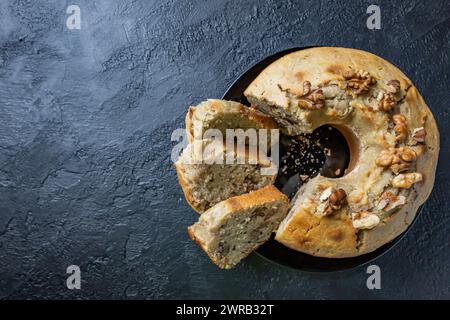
(85, 123)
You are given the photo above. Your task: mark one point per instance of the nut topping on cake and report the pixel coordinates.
(337, 198)
(365, 220)
(397, 159)
(390, 200)
(419, 134)
(386, 101)
(358, 82)
(400, 128)
(306, 87)
(308, 99)
(326, 194)
(393, 86)
(330, 199)
(311, 99)
(406, 180)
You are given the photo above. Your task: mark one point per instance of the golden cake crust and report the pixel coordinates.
(211, 110)
(211, 220)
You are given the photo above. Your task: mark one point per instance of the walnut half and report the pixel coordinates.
(358, 82)
(386, 101)
(330, 199)
(390, 201)
(406, 180)
(308, 99)
(365, 220)
(397, 159)
(311, 99)
(400, 128)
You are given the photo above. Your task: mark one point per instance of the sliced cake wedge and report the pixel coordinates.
(233, 228)
(206, 181)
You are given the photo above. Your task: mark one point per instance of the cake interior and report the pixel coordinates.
(244, 232)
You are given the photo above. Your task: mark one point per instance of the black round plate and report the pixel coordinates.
(273, 250)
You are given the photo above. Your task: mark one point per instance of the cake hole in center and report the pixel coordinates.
(327, 150)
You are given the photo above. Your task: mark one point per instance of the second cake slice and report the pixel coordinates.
(233, 228)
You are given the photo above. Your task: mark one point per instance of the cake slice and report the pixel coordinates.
(222, 115)
(232, 229)
(206, 182)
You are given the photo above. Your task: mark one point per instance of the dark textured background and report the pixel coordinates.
(85, 123)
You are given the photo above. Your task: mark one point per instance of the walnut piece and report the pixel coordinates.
(358, 82)
(419, 134)
(406, 180)
(323, 209)
(393, 86)
(337, 198)
(308, 99)
(386, 198)
(325, 195)
(386, 101)
(330, 199)
(400, 128)
(311, 99)
(306, 87)
(358, 201)
(397, 159)
(389, 201)
(365, 220)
